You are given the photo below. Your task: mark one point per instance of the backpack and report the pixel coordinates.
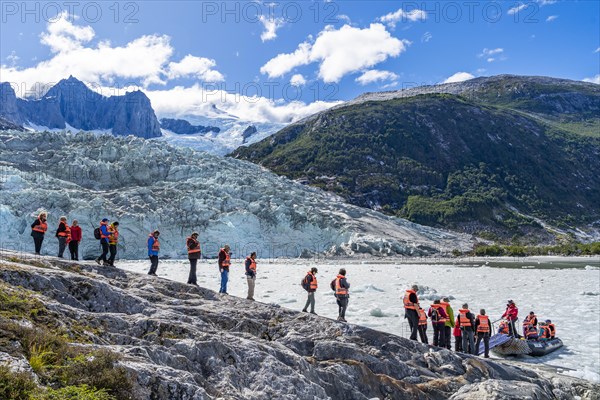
(332, 284)
(305, 284)
(97, 234)
(435, 315)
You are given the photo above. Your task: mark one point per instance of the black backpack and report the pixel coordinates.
(305, 284)
(435, 315)
(97, 234)
(332, 284)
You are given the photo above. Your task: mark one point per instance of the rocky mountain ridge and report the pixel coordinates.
(174, 341)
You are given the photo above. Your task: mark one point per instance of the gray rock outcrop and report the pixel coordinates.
(183, 342)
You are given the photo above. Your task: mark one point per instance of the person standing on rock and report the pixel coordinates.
(251, 274)
(224, 261)
(104, 236)
(309, 283)
(438, 317)
(113, 241)
(483, 329)
(194, 254)
(153, 250)
(340, 285)
(63, 233)
(456, 332)
(466, 322)
(75, 240)
(411, 305)
(38, 230)
(423, 326)
(449, 323)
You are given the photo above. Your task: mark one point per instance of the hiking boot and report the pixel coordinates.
(304, 310)
(98, 261)
(312, 312)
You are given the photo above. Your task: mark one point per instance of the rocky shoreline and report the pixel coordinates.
(175, 341)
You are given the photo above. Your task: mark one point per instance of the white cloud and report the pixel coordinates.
(459, 77)
(426, 37)
(374, 75)
(517, 9)
(545, 2)
(597, 50)
(192, 66)
(595, 79)
(492, 54)
(13, 58)
(345, 18)
(393, 18)
(146, 59)
(297, 80)
(196, 100)
(271, 25)
(339, 52)
(551, 18)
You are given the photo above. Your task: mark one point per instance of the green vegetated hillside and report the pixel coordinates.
(491, 159)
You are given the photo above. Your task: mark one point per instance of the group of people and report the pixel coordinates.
(468, 329)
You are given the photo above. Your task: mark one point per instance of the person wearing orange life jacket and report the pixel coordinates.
(532, 332)
(544, 332)
(551, 329)
(224, 261)
(438, 316)
(251, 274)
(38, 230)
(309, 283)
(104, 236)
(340, 285)
(483, 329)
(113, 241)
(63, 233)
(194, 254)
(503, 327)
(530, 319)
(411, 306)
(466, 322)
(449, 323)
(153, 251)
(423, 326)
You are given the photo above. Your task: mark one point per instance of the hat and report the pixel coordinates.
(511, 302)
(104, 219)
(531, 312)
(194, 233)
(548, 321)
(156, 231)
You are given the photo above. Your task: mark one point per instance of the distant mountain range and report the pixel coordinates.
(70, 103)
(183, 127)
(498, 156)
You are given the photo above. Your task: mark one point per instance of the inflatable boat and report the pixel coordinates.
(504, 345)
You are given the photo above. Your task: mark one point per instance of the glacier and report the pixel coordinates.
(148, 185)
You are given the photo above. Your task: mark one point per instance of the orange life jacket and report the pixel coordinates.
(407, 303)
(156, 244)
(339, 290)
(551, 330)
(422, 317)
(532, 331)
(252, 264)
(227, 261)
(503, 328)
(484, 324)
(42, 227)
(114, 238)
(196, 248)
(313, 282)
(464, 321)
(67, 232)
(440, 318)
(530, 320)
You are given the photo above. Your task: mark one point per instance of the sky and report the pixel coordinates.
(281, 61)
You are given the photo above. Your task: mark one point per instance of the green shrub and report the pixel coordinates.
(82, 392)
(15, 385)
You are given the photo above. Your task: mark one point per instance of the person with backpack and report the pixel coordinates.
(113, 241)
(309, 283)
(449, 323)
(38, 230)
(340, 285)
(411, 305)
(63, 233)
(483, 329)
(466, 322)
(250, 265)
(153, 250)
(423, 326)
(194, 254)
(224, 261)
(104, 235)
(438, 316)
(75, 240)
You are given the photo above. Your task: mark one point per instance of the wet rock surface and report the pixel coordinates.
(185, 342)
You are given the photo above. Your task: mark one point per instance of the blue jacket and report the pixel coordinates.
(150, 244)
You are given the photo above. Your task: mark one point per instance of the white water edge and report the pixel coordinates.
(570, 297)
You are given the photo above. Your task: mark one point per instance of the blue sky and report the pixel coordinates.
(291, 58)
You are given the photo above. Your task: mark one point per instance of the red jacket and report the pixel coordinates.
(456, 332)
(76, 233)
(511, 313)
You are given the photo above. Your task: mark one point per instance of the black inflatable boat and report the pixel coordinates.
(505, 345)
